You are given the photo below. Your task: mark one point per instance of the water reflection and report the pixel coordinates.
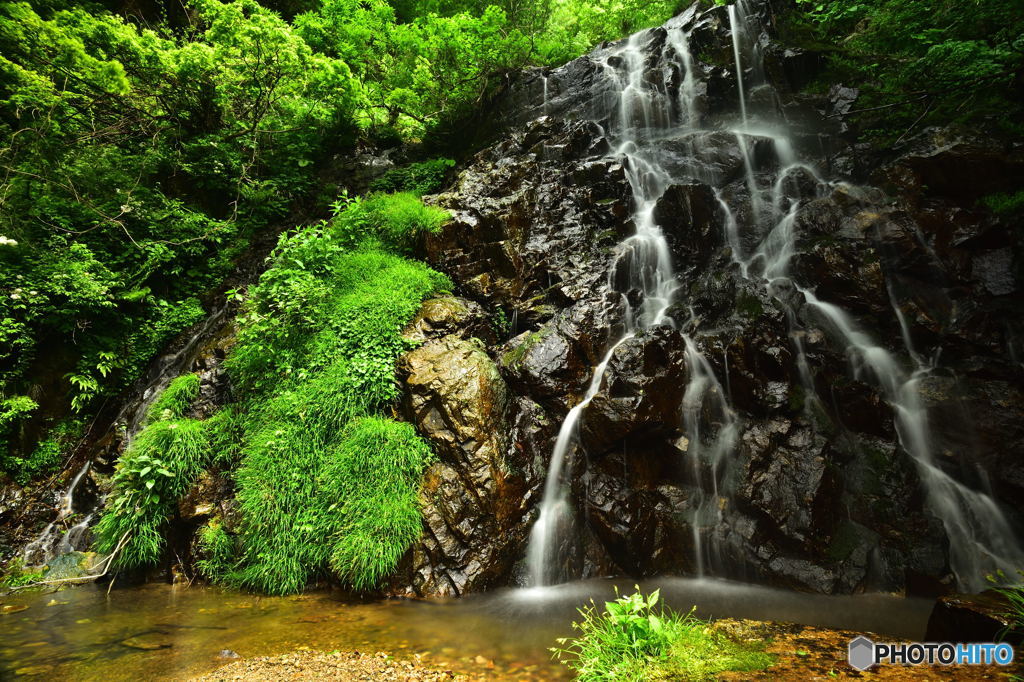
(163, 632)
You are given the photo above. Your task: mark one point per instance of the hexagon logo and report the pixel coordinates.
(862, 653)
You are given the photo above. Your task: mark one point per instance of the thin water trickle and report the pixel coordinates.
(705, 403)
(554, 507)
(57, 538)
(735, 28)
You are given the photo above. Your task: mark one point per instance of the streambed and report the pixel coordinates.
(159, 631)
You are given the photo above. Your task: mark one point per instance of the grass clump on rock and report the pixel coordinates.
(159, 466)
(175, 400)
(631, 639)
(324, 482)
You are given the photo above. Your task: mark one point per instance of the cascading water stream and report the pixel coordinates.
(641, 116)
(708, 455)
(554, 510)
(638, 111)
(981, 538)
(55, 539)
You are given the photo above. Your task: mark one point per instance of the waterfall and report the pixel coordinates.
(638, 110)
(641, 117)
(981, 538)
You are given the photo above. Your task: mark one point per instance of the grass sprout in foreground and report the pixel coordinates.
(635, 639)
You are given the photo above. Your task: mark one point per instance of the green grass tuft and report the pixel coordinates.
(218, 549)
(324, 485)
(394, 221)
(631, 640)
(158, 467)
(379, 521)
(176, 399)
(1013, 593)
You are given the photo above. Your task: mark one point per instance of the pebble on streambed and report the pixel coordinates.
(351, 665)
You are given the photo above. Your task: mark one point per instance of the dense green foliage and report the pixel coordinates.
(632, 640)
(420, 178)
(160, 465)
(134, 162)
(140, 157)
(321, 482)
(921, 62)
(324, 483)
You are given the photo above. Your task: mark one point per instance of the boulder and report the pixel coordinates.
(473, 497)
(983, 617)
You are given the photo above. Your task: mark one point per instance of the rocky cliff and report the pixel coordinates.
(877, 297)
(704, 328)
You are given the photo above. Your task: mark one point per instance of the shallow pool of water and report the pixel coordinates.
(164, 632)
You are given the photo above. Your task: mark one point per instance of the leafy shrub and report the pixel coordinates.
(917, 62)
(12, 411)
(46, 457)
(631, 640)
(218, 551)
(176, 399)
(158, 467)
(419, 178)
(321, 305)
(394, 221)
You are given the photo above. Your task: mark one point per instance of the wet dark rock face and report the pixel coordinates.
(823, 498)
(474, 498)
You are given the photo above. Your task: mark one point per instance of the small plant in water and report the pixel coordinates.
(635, 639)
